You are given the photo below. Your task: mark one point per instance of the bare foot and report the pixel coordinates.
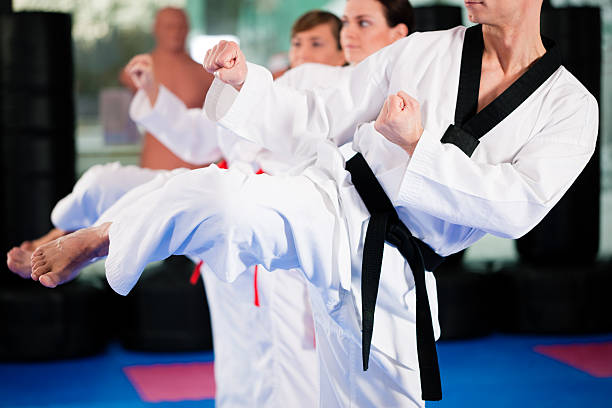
(48, 237)
(18, 261)
(60, 261)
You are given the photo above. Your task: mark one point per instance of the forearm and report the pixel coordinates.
(289, 121)
(504, 199)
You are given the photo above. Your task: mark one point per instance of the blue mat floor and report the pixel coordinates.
(494, 372)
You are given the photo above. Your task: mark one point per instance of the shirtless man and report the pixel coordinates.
(179, 73)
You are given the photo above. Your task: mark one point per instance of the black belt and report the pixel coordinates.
(385, 225)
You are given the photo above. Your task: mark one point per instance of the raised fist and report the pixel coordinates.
(227, 62)
(140, 70)
(399, 121)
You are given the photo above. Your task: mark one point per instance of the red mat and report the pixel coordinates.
(173, 382)
(592, 358)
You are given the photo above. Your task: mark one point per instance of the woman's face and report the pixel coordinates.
(315, 45)
(365, 29)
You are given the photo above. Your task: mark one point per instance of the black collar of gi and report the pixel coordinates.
(470, 123)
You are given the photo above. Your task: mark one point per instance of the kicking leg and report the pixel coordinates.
(232, 221)
(103, 188)
(100, 188)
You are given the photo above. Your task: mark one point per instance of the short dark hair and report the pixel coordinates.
(399, 12)
(315, 18)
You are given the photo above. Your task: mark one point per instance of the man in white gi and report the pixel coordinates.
(477, 131)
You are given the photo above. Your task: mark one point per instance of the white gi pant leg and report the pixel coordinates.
(296, 366)
(96, 191)
(242, 343)
(230, 219)
(387, 383)
(234, 220)
(263, 357)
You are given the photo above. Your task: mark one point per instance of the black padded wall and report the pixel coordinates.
(6, 6)
(432, 18)
(37, 120)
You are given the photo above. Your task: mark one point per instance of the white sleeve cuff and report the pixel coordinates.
(426, 152)
(140, 106)
(167, 105)
(231, 108)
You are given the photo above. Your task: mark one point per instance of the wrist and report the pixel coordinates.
(238, 87)
(409, 147)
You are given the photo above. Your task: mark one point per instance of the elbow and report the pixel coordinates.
(515, 224)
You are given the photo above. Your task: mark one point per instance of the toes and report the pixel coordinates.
(49, 280)
(16, 268)
(18, 261)
(19, 255)
(53, 279)
(38, 262)
(39, 269)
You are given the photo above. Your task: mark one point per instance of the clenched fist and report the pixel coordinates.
(140, 70)
(227, 62)
(400, 121)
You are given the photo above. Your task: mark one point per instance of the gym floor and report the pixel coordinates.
(495, 371)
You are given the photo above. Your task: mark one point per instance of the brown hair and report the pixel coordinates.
(399, 12)
(315, 18)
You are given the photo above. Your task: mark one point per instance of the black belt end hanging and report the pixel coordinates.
(385, 225)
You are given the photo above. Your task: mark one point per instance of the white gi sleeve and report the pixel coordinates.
(288, 121)
(505, 199)
(186, 132)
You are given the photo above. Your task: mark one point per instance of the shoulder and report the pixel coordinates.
(433, 41)
(567, 93)
(567, 85)
(568, 104)
(419, 47)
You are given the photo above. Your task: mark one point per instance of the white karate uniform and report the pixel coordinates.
(316, 221)
(264, 356)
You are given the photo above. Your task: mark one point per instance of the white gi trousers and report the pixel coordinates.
(234, 220)
(264, 356)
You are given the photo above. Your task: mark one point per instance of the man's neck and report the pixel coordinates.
(514, 47)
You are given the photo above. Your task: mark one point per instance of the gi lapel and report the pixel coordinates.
(470, 126)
